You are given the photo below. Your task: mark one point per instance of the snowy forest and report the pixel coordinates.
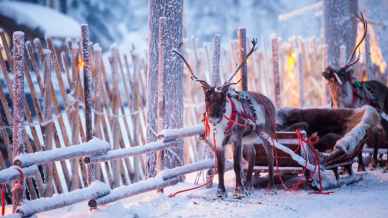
(193, 108)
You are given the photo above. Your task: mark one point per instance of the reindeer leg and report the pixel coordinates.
(361, 166)
(220, 154)
(250, 155)
(270, 159)
(386, 164)
(238, 192)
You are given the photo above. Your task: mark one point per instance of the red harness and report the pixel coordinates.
(232, 119)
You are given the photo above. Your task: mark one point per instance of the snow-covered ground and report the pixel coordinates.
(368, 198)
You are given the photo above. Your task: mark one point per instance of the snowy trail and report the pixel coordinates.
(368, 198)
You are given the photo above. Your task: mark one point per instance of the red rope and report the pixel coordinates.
(3, 190)
(313, 141)
(189, 189)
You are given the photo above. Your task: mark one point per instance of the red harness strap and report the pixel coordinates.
(232, 119)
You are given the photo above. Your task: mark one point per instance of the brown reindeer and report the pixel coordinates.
(237, 118)
(347, 92)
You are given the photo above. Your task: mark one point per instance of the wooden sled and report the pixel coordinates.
(352, 125)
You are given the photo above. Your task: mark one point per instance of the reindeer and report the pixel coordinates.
(238, 118)
(346, 92)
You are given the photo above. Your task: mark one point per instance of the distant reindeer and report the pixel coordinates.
(237, 118)
(347, 92)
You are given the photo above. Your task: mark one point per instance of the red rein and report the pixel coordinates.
(17, 185)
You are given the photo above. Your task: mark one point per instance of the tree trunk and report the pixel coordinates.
(173, 81)
(242, 50)
(340, 27)
(155, 11)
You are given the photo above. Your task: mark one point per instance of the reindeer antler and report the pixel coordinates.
(254, 42)
(351, 62)
(192, 75)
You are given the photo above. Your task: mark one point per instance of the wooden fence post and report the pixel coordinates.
(18, 146)
(215, 75)
(325, 63)
(87, 94)
(301, 78)
(275, 71)
(242, 47)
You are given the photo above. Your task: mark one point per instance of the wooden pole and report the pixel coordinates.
(18, 111)
(242, 50)
(276, 71)
(173, 80)
(163, 68)
(155, 11)
(301, 76)
(87, 93)
(49, 128)
(215, 76)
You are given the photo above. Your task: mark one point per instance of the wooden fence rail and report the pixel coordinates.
(99, 193)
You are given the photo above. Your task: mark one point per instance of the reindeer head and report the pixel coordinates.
(340, 80)
(216, 97)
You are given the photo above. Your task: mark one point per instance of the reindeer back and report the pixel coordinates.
(269, 109)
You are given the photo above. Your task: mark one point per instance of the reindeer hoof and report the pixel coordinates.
(239, 193)
(221, 193)
(385, 168)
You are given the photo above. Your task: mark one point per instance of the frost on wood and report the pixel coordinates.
(18, 94)
(173, 80)
(93, 147)
(87, 92)
(215, 75)
(87, 80)
(95, 190)
(165, 178)
(155, 11)
(276, 71)
(133, 189)
(351, 139)
(189, 168)
(131, 151)
(172, 134)
(11, 173)
(242, 47)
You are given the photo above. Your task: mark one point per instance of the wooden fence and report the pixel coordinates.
(55, 115)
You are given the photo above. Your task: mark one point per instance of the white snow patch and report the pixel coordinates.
(49, 21)
(368, 198)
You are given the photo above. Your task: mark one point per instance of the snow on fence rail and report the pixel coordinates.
(164, 179)
(95, 190)
(131, 151)
(172, 134)
(12, 173)
(93, 147)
